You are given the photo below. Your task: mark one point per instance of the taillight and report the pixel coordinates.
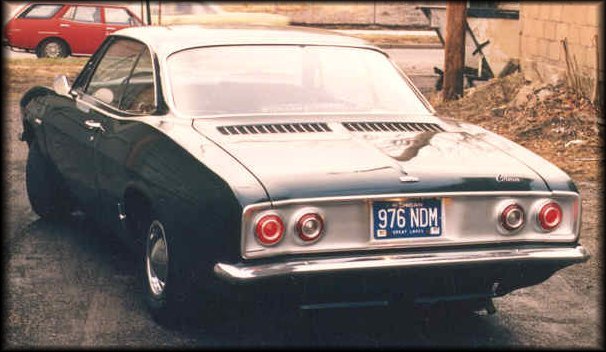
(550, 216)
(309, 227)
(512, 217)
(269, 229)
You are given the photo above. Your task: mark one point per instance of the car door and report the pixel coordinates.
(127, 70)
(83, 28)
(70, 138)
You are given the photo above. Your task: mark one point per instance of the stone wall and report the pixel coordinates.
(544, 25)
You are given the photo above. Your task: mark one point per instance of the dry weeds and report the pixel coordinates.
(550, 120)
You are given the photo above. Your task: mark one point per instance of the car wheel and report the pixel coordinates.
(168, 289)
(44, 189)
(52, 48)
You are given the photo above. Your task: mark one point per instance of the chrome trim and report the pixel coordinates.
(250, 210)
(154, 78)
(499, 212)
(369, 197)
(138, 118)
(94, 125)
(47, 32)
(250, 273)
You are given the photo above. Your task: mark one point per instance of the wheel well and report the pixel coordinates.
(137, 208)
(39, 46)
(27, 97)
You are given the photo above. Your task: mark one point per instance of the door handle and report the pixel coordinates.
(94, 125)
(64, 25)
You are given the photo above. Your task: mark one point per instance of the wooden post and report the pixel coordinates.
(148, 8)
(454, 49)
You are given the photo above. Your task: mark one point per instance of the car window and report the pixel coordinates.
(109, 80)
(87, 14)
(69, 14)
(139, 93)
(117, 16)
(41, 11)
(288, 79)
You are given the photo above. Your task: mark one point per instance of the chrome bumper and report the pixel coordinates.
(250, 273)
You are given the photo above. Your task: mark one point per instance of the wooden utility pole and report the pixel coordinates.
(148, 8)
(454, 49)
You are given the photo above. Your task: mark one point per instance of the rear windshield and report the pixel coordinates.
(288, 78)
(41, 11)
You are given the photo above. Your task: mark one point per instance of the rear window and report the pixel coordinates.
(117, 16)
(41, 11)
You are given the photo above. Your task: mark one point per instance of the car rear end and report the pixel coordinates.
(403, 247)
(30, 25)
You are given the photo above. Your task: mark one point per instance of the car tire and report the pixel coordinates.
(52, 48)
(45, 191)
(169, 289)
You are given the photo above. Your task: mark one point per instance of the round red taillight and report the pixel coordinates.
(309, 227)
(550, 216)
(269, 229)
(512, 217)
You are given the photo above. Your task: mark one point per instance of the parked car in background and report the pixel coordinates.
(293, 166)
(62, 29)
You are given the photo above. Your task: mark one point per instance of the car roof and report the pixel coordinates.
(166, 40)
(79, 3)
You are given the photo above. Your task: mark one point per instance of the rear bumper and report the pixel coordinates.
(560, 256)
(390, 278)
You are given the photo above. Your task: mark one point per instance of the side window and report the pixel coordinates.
(110, 78)
(117, 16)
(87, 14)
(41, 11)
(139, 94)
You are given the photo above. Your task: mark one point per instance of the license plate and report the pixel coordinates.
(406, 218)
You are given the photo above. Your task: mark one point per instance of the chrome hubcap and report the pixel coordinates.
(52, 50)
(156, 258)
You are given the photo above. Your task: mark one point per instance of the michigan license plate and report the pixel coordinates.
(406, 218)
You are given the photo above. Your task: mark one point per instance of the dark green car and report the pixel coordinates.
(294, 166)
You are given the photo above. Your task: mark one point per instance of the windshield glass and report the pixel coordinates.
(288, 79)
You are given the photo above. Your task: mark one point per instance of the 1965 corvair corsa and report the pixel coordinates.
(291, 164)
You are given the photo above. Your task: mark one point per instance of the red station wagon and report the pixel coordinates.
(59, 30)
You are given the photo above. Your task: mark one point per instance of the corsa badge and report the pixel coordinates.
(507, 178)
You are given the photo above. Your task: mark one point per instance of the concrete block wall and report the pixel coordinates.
(545, 24)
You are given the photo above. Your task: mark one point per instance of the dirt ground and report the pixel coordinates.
(564, 311)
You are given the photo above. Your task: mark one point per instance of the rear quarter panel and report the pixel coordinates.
(28, 33)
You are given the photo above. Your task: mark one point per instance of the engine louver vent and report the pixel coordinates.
(274, 128)
(392, 127)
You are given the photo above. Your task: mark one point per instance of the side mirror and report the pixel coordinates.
(61, 85)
